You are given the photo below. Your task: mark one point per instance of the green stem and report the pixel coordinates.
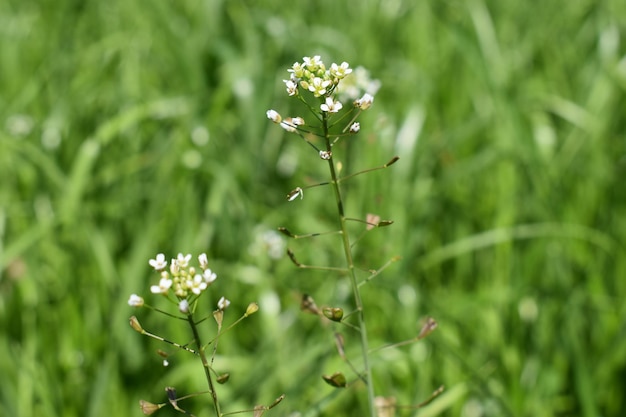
(352, 272)
(205, 364)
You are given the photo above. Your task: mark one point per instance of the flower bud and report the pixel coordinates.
(135, 301)
(274, 116)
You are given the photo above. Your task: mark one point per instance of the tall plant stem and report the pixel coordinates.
(352, 272)
(205, 365)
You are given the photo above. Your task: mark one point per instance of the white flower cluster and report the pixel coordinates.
(312, 75)
(187, 282)
(181, 277)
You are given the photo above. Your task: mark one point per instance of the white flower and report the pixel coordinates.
(355, 127)
(325, 155)
(183, 260)
(183, 306)
(318, 86)
(209, 276)
(223, 304)
(135, 301)
(364, 102)
(164, 285)
(331, 106)
(165, 362)
(197, 284)
(274, 116)
(297, 70)
(313, 64)
(203, 261)
(159, 262)
(292, 87)
(340, 71)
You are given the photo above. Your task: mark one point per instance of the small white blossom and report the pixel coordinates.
(165, 362)
(340, 71)
(183, 306)
(318, 86)
(209, 276)
(313, 64)
(159, 262)
(164, 285)
(203, 261)
(297, 70)
(135, 301)
(325, 155)
(331, 106)
(364, 102)
(197, 284)
(183, 260)
(291, 86)
(274, 116)
(355, 127)
(223, 304)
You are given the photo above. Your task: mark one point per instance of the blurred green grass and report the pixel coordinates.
(131, 128)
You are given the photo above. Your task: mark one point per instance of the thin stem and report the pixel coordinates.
(205, 364)
(352, 273)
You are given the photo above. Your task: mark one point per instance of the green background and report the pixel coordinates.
(129, 128)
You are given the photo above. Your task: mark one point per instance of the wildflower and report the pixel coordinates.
(325, 155)
(209, 276)
(297, 70)
(364, 102)
(203, 261)
(159, 262)
(318, 86)
(340, 71)
(197, 284)
(183, 260)
(313, 64)
(183, 306)
(331, 106)
(355, 127)
(164, 285)
(135, 301)
(223, 304)
(274, 116)
(292, 87)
